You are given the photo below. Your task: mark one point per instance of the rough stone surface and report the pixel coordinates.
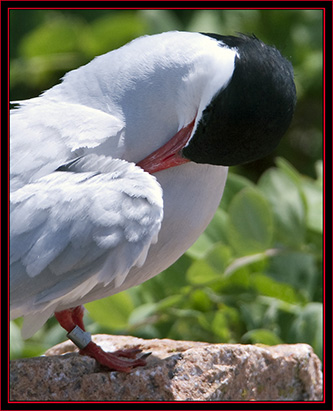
(175, 371)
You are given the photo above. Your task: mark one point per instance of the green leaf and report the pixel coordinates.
(311, 191)
(254, 313)
(287, 205)
(289, 170)
(140, 314)
(235, 183)
(200, 301)
(114, 30)
(56, 35)
(258, 261)
(201, 247)
(308, 327)
(271, 288)
(297, 269)
(201, 272)
(261, 336)
(16, 342)
(112, 312)
(225, 322)
(250, 228)
(207, 21)
(160, 20)
(319, 172)
(314, 200)
(169, 282)
(214, 233)
(218, 324)
(230, 287)
(219, 258)
(170, 301)
(211, 268)
(216, 229)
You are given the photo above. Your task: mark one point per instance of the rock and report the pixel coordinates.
(175, 371)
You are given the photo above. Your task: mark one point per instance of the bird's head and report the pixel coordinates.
(246, 119)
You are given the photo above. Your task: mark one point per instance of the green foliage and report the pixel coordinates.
(255, 274)
(250, 228)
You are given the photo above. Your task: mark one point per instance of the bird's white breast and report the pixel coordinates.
(191, 194)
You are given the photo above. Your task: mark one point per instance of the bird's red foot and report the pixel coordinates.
(113, 360)
(72, 321)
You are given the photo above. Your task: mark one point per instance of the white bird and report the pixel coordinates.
(97, 202)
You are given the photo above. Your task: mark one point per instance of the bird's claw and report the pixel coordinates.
(113, 360)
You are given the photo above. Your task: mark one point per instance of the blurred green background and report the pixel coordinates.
(255, 275)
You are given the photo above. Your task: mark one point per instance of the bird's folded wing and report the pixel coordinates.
(46, 133)
(85, 224)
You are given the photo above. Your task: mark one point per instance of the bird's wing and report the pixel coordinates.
(83, 225)
(45, 133)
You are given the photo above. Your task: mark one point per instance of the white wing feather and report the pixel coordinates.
(45, 134)
(73, 230)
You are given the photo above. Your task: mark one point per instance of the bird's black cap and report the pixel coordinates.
(246, 119)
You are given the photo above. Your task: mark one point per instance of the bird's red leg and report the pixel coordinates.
(65, 319)
(72, 321)
(77, 315)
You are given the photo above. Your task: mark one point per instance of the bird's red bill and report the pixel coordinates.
(168, 155)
